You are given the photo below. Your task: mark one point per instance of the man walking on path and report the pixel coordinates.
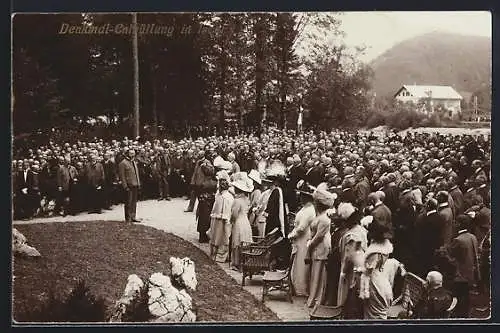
(129, 177)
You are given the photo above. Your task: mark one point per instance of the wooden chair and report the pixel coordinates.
(255, 258)
(279, 281)
(412, 292)
(325, 312)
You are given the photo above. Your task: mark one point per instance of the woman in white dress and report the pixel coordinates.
(220, 226)
(241, 229)
(299, 236)
(319, 245)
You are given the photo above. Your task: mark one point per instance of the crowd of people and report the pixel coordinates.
(355, 209)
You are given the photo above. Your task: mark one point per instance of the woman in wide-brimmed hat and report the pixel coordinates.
(220, 223)
(319, 245)
(241, 229)
(276, 214)
(299, 236)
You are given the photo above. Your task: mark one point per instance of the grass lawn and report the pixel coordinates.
(104, 254)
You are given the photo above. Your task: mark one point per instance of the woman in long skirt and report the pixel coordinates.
(320, 244)
(220, 225)
(299, 236)
(255, 197)
(352, 247)
(241, 230)
(205, 204)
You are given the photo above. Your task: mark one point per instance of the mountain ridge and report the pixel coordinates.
(435, 58)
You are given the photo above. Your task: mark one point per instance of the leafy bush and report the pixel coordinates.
(138, 309)
(79, 306)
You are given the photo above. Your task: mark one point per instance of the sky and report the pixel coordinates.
(379, 31)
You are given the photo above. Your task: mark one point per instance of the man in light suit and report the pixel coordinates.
(129, 178)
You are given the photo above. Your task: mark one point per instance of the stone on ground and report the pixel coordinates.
(183, 273)
(167, 303)
(20, 246)
(132, 290)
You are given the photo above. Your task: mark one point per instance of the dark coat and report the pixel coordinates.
(381, 226)
(464, 249)
(95, 174)
(272, 211)
(458, 200)
(392, 198)
(315, 175)
(21, 183)
(448, 229)
(199, 176)
(65, 176)
(429, 236)
(361, 191)
(348, 195)
(110, 172)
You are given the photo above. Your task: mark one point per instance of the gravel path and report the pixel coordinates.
(169, 216)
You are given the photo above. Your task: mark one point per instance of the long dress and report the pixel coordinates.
(300, 271)
(254, 202)
(333, 266)
(241, 229)
(220, 226)
(319, 248)
(260, 212)
(205, 204)
(380, 297)
(352, 246)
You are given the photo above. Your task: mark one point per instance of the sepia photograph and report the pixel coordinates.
(251, 167)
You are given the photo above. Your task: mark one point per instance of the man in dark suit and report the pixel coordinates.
(315, 174)
(110, 180)
(95, 182)
(129, 178)
(295, 173)
(428, 237)
(197, 180)
(162, 171)
(464, 249)
(348, 194)
(444, 210)
(66, 174)
(436, 299)
(362, 188)
(381, 226)
(457, 195)
(391, 191)
(24, 189)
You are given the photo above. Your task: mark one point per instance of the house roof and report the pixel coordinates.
(437, 92)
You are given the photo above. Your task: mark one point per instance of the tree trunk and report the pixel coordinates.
(135, 55)
(259, 69)
(154, 112)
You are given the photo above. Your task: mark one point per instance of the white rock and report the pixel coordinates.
(132, 290)
(19, 245)
(167, 303)
(17, 237)
(133, 287)
(28, 251)
(183, 271)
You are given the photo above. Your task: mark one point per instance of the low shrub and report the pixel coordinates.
(79, 306)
